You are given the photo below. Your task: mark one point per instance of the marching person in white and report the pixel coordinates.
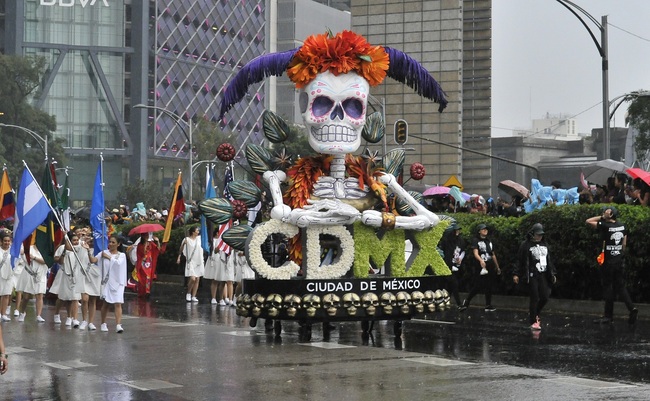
(211, 267)
(194, 269)
(33, 281)
(113, 266)
(19, 266)
(6, 274)
(71, 261)
(89, 285)
(243, 271)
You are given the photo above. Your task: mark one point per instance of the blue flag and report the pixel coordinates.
(206, 239)
(100, 239)
(31, 209)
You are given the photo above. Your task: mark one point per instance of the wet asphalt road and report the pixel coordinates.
(172, 350)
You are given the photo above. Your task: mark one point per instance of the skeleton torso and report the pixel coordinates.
(336, 186)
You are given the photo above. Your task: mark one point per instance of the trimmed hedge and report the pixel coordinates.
(574, 247)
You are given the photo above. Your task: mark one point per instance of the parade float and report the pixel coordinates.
(345, 218)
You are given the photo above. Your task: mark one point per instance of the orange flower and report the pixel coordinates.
(345, 52)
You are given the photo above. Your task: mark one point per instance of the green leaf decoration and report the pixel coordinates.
(275, 128)
(245, 191)
(375, 129)
(393, 161)
(236, 236)
(404, 208)
(365, 57)
(217, 210)
(258, 158)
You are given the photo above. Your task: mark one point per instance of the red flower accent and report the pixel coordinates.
(239, 209)
(225, 152)
(417, 171)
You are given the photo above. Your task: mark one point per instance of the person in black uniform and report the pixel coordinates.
(483, 253)
(453, 247)
(535, 266)
(613, 237)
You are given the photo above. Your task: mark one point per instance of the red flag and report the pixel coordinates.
(221, 245)
(176, 208)
(7, 201)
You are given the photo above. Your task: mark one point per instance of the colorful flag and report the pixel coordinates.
(206, 226)
(7, 201)
(221, 245)
(49, 233)
(97, 222)
(65, 204)
(31, 209)
(176, 208)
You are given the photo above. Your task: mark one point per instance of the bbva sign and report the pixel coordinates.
(71, 3)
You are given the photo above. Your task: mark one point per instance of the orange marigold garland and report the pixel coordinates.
(340, 54)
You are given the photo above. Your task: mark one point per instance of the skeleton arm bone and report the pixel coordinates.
(280, 211)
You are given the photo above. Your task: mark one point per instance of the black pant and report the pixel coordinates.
(613, 282)
(483, 284)
(539, 292)
(452, 283)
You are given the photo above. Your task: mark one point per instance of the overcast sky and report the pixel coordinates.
(544, 61)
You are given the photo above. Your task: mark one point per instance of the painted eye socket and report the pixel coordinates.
(322, 106)
(353, 108)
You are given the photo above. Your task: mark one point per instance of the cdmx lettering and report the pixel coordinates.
(72, 3)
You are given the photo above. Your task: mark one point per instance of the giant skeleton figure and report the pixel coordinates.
(333, 105)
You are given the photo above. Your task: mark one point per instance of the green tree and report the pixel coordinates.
(148, 192)
(21, 78)
(297, 144)
(207, 136)
(639, 117)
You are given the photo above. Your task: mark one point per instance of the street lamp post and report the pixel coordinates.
(181, 123)
(602, 50)
(32, 133)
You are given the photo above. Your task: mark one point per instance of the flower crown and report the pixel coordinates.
(340, 54)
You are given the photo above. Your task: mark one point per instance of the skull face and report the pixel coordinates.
(446, 298)
(331, 303)
(388, 301)
(351, 302)
(291, 303)
(334, 110)
(417, 300)
(311, 303)
(258, 303)
(370, 301)
(243, 305)
(438, 301)
(404, 302)
(273, 304)
(429, 300)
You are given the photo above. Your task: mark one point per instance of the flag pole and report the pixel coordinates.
(56, 215)
(101, 169)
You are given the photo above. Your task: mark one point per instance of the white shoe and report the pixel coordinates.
(40, 319)
(75, 323)
(91, 327)
(195, 299)
(484, 271)
(57, 319)
(233, 303)
(227, 301)
(222, 303)
(8, 310)
(119, 328)
(104, 327)
(5, 318)
(68, 321)
(214, 301)
(188, 297)
(21, 316)
(83, 325)
(16, 313)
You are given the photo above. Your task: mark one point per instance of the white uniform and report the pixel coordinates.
(213, 263)
(33, 279)
(19, 265)
(54, 288)
(243, 270)
(194, 257)
(226, 271)
(6, 273)
(71, 276)
(114, 280)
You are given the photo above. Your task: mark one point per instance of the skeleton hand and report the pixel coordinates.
(371, 218)
(324, 212)
(422, 220)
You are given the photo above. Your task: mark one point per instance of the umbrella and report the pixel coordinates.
(513, 189)
(437, 190)
(82, 213)
(600, 171)
(146, 228)
(638, 173)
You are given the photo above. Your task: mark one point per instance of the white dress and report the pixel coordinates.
(243, 270)
(226, 271)
(93, 279)
(33, 279)
(54, 288)
(194, 257)
(70, 281)
(114, 279)
(213, 263)
(19, 265)
(6, 273)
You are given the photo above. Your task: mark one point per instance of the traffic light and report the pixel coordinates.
(401, 132)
